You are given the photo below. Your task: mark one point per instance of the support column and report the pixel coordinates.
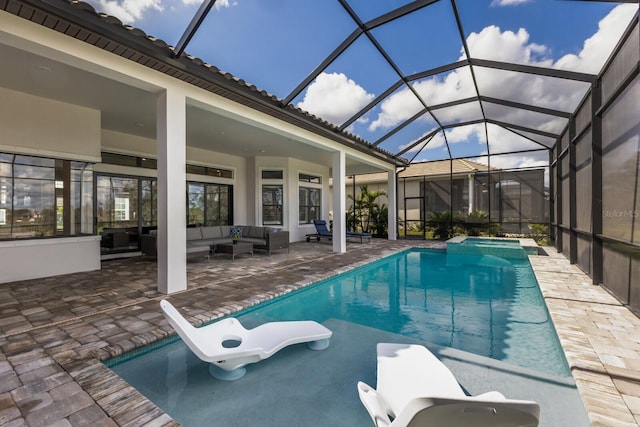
(172, 211)
(471, 194)
(339, 202)
(597, 245)
(392, 204)
(573, 211)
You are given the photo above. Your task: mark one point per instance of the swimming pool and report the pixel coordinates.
(505, 248)
(475, 308)
(477, 241)
(485, 305)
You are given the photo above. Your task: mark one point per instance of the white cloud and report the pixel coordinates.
(596, 49)
(502, 140)
(507, 46)
(436, 141)
(514, 47)
(519, 160)
(396, 109)
(334, 97)
(457, 135)
(464, 133)
(219, 4)
(403, 105)
(128, 11)
(497, 3)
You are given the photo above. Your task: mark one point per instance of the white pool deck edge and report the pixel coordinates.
(600, 338)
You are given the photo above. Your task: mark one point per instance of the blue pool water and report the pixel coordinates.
(480, 241)
(482, 315)
(504, 248)
(481, 304)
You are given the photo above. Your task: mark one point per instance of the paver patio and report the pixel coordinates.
(55, 332)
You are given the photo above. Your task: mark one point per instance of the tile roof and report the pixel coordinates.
(439, 168)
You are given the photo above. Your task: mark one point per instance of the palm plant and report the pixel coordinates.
(368, 216)
(443, 224)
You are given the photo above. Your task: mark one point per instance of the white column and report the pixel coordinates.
(471, 195)
(392, 205)
(172, 212)
(339, 202)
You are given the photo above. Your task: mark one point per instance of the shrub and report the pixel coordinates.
(539, 233)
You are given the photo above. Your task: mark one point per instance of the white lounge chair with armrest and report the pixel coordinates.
(228, 346)
(414, 388)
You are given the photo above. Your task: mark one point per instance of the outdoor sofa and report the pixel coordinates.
(202, 239)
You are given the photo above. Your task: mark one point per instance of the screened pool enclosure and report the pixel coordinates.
(542, 96)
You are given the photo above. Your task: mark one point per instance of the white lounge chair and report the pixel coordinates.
(414, 388)
(227, 346)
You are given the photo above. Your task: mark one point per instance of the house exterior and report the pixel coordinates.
(102, 130)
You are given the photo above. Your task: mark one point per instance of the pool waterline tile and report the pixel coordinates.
(102, 299)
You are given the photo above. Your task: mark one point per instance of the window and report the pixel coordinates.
(147, 163)
(309, 208)
(195, 204)
(209, 204)
(272, 207)
(122, 207)
(311, 179)
(119, 159)
(149, 198)
(309, 197)
(40, 197)
(272, 174)
(81, 208)
(218, 205)
(117, 202)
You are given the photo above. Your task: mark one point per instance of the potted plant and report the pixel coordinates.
(236, 234)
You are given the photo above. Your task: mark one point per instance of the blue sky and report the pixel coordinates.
(276, 44)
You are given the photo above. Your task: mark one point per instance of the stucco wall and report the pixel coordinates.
(33, 259)
(40, 126)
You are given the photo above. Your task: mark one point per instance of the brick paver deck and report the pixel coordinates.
(55, 332)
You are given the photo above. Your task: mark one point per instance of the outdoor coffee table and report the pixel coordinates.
(235, 249)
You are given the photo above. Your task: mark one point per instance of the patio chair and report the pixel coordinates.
(357, 235)
(227, 346)
(414, 388)
(323, 231)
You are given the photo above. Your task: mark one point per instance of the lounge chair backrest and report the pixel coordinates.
(454, 412)
(185, 330)
(321, 227)
(174, 317)
(203, 346)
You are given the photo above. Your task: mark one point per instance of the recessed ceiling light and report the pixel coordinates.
(140, 124)
(262, 151)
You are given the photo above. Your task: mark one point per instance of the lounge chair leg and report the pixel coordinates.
(318, 345)
(223, 375)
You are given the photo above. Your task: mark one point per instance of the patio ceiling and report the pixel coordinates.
(415, 80)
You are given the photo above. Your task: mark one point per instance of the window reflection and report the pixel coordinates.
(309, 209)
(272, 205)
(34, 202)
(117, 202)
(209, 204)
